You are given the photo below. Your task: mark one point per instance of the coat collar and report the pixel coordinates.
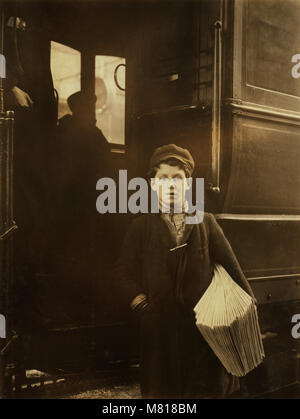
(166, 236)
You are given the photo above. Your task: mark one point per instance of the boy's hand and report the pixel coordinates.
(139, 302)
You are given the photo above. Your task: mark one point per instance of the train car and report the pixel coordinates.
(216, 76)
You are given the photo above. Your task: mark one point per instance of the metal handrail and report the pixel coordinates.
(216, 108)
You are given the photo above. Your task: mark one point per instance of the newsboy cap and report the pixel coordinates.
(172, 151)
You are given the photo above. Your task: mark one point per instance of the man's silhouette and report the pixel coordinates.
(81, 125)
(82, 157)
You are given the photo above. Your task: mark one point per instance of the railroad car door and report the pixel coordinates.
(176, 69)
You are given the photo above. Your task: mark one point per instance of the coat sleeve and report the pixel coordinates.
(128, 267)
(11, 79)
(221, 252)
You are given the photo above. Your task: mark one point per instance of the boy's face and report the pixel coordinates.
(170, 185)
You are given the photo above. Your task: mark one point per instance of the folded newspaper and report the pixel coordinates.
(227, 318)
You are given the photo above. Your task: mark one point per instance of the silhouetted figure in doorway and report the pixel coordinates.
(82, 157)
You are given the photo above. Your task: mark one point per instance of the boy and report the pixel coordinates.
(165, 267)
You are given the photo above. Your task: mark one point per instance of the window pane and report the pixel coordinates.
(110, 105)
(273, 37)
(65, 67)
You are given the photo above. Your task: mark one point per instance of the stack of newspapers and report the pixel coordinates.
(227, 318)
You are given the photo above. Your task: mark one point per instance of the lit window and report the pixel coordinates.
(110, 92)
(65, 68)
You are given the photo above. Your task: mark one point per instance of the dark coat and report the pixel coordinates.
(27, 54)
(81, 157)
(175, 359)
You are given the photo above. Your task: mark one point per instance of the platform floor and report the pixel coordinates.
(132, 391)
(110, 392)
(120, 384)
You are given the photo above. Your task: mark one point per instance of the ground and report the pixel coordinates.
(131, 391)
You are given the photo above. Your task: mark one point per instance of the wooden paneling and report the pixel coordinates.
(277, 290)
(266, 37)
(273, 37)
(265, 175)
(265, 248)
